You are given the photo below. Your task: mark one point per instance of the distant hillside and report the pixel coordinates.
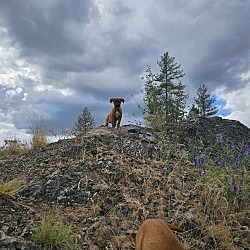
(105, 182)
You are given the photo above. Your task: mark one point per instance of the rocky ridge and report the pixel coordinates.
(106, 182)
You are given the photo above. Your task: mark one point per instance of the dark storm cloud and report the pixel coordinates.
(39, 25)
(62, 56)
(210, 39)
(223, 52)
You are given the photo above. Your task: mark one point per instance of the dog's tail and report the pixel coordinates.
(174, 228)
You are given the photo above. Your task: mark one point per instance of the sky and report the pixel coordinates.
(59, 56)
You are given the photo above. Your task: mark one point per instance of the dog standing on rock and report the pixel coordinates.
(115, 116)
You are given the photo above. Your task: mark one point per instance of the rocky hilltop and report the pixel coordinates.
(104, 183)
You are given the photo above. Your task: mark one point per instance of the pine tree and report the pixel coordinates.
(172, 94)
(152, 109)
(84, 122)
(204, 102)
(164, 99)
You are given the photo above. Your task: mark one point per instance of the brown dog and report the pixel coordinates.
(156, 234)
(115, 116)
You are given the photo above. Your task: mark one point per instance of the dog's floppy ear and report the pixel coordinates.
(111, 100)
(122, 100)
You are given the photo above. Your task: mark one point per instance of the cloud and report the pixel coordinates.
(58, 57)
(237, 102)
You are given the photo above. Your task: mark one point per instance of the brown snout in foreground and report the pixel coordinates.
(156, 234)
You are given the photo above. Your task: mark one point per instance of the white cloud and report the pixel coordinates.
(9, 131)
(238, 102)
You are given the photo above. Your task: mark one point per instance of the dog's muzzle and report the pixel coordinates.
(117, 104)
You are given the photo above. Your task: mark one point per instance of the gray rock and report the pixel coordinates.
(12, 243)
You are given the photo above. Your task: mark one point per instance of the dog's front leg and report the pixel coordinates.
(113, 122)
(107, 121)
(118, 123)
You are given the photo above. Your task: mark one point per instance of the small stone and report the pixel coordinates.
(237, 240)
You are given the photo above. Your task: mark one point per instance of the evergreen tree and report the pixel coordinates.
(150, 93)
(172, 94)
(164, 99)
(84, 122)
(152, 109)
(204, 102)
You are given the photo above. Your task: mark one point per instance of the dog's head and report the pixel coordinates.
(117, 101)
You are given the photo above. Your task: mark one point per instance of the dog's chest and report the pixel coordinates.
(117, 113)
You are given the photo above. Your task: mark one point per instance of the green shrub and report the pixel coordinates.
(55, 235)
(228, 162)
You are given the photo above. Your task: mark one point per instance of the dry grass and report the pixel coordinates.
(170, 188)
(39, 138)
(148, 189)
(13, 146)
(9, 189)
(214, 217)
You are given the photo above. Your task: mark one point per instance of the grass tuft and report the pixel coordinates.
(10, 188)
(12, 147)
(39, 139)
(55, 235)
